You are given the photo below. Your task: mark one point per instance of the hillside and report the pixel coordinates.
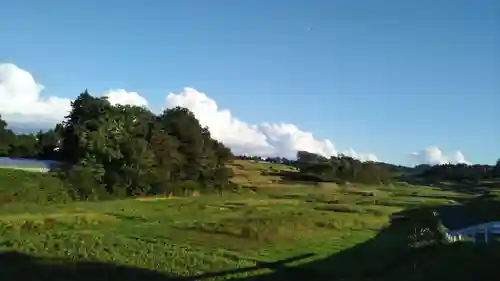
(138, 195)
(278, 231)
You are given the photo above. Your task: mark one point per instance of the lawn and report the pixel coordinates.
(254, 233)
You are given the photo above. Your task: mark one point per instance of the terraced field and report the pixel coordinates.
(274, 231)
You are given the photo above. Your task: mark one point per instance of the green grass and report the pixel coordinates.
(27, 187)
(340, 231)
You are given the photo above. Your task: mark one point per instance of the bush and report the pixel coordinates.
(83, 184)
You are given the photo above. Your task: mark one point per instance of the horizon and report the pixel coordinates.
(263, 158)
(403, 83)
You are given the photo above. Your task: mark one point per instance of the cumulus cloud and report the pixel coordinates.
(434, 156)
(259, 139)
(21, 100)
(120, 96)
(22, 103)
(361, 156)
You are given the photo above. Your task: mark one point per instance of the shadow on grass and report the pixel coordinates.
(471, 211)
(17, 266)
(293, 177)
(410, 248)
(21, 267)
(457, 262)
(278, 266)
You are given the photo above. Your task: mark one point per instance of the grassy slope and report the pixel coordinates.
(200, 235)
(18, 186)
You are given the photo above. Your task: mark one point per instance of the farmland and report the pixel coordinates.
(272, 231)
(140, 195)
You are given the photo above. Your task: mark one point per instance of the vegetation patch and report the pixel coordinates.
(265, 229)
(18, 186)
(104, 211)
(342, 208)
(39, 223)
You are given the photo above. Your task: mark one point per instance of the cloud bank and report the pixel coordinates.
(260, 140)
(22, 102)
(434, 156)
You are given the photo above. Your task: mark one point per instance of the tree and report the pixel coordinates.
(496, 169)
(7, 137)
(458, 172)
(340, 169)
(182, 124)
(24, 146)
(49, 143)
(131, 151)
(169, 160)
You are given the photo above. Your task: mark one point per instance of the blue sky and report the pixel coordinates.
(388, 77)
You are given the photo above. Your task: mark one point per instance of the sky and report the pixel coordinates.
(405, 82)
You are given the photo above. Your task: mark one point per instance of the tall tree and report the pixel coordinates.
(49, 143)
(128, 150)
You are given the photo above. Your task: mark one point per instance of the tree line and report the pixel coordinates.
(462, 172)
(341, 168)
(115, 151)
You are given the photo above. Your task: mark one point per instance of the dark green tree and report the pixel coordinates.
(127, 150)
(7, 138)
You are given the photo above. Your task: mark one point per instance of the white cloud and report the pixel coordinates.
(259, 140)
(363, 157)
(123, 97)
(21, 101)
(434, 156)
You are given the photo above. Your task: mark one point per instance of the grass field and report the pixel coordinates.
(276, 231)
